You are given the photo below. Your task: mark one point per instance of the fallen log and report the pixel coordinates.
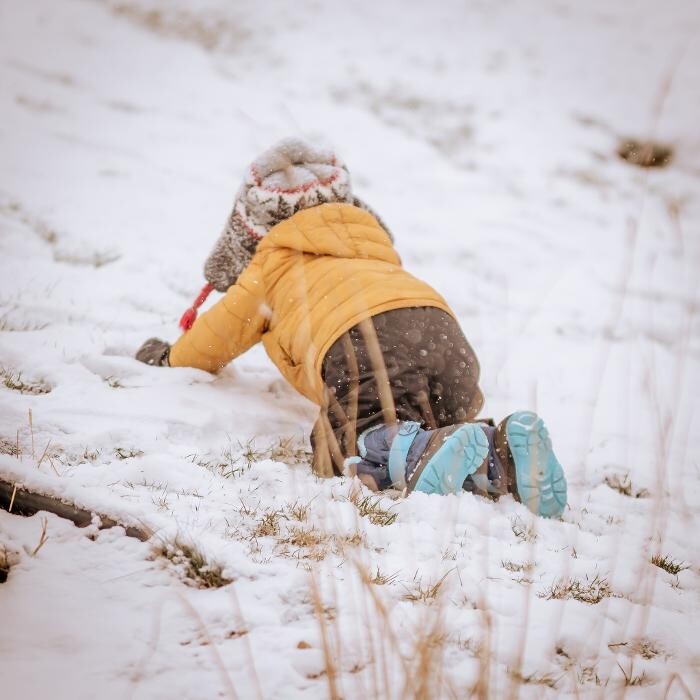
(20, 501)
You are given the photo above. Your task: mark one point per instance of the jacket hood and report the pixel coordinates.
(338, 230)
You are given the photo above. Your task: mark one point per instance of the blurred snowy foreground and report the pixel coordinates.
(487, 135)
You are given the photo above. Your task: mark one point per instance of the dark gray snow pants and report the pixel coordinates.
(404, 364)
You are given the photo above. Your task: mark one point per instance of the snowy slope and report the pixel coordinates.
(486, 135)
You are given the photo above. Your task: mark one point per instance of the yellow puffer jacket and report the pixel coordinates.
(313, 277)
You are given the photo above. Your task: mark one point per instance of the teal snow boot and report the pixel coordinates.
(452, 454)
(537, 480)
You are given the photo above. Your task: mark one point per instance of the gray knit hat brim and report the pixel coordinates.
(287, 178)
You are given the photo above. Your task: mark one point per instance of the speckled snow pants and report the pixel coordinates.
(404, 364)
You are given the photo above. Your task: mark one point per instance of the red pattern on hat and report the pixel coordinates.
(293, 190)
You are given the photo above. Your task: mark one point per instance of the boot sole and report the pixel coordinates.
(537, 477)
(461, 454)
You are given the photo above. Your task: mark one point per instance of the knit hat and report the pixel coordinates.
(290, 176)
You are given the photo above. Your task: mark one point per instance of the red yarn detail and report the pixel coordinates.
(188, 319)
(251, 231)
(190, 316)
(293, 190)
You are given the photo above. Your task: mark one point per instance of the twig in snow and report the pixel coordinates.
(43, 537)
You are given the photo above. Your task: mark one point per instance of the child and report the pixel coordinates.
(307, 268)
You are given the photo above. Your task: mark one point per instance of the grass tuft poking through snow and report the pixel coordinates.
(647, 648)
(584, 590)
(644, 647)
(299, 511)
(7, 447)
(287, 450)
(668, 564)
(516, 567)
(522, 530)
(310, 543)
(380, 579)
(4, 563)
(427, 593)
(15, 382)
(623, 484)
(645, 154)
(268, 525)
(631, 679)
(234, 460)
(305, 537)
(370, 507)
(192, 565)
(127, 452)
(546, 679)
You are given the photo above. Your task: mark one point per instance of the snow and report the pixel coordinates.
(485, 135)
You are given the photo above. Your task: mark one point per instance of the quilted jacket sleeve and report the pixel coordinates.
(228, 329)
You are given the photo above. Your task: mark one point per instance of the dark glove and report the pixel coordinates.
(154, 352)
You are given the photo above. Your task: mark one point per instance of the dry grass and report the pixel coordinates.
(644, 647)
(581, 674)
(428, 662)
(127, 453)
(304, 543)
(305, 537)
(226, 464)
(415, 651)
(192, 565)
(668, 564)
(287, 450)
(588, 675)
(43, 230)
(584, 590)
(444, 124)
(632, 680)
(211, 31)
(268, 525)
(425, 593)
(10, 447)
(88, 455)
(622, 483)
(645, 154)
(522, 530)
(370, 507)
(380, 579)
(43, 536)
(5, 565)
(298, 511)
(517, 567)
(236, 459)
(297, 541)
(310, 543)
(470, 646)
(247, 510)
(547, 679)
(13, 380)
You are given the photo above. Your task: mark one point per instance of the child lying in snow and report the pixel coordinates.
(307, 268)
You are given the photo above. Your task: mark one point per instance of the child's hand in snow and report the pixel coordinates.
(154, 352)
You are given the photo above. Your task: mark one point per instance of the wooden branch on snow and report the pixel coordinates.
(22, 502)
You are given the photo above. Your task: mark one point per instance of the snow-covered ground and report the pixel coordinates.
(485, 133)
